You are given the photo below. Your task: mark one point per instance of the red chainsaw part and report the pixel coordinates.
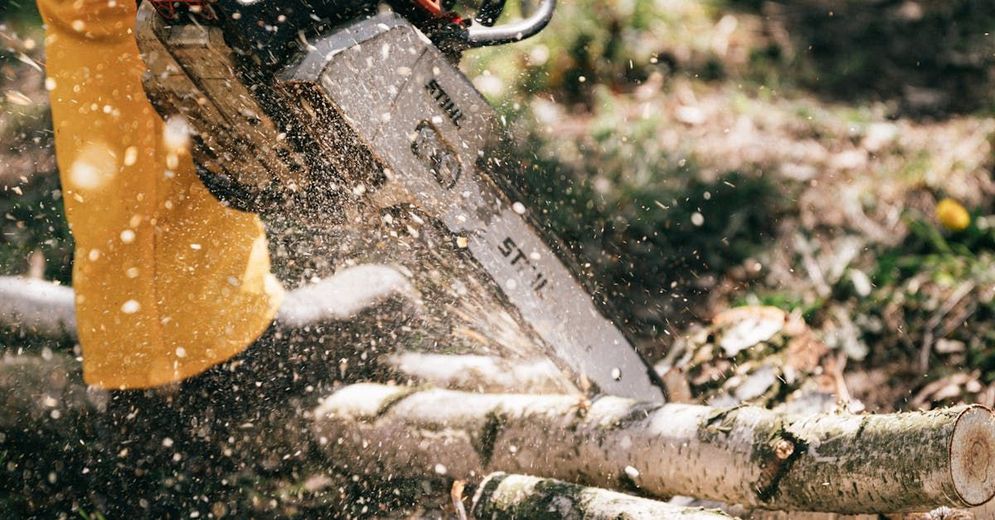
(434, 7)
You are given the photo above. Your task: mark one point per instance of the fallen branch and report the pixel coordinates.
(502, 496)
(744, 455)
(344, 295)
(43, 309)
(37, 307)
(482, 373)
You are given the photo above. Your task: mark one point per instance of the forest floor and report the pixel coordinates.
(725, 154)
(705, 156)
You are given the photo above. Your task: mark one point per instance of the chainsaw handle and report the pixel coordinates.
(479, 35)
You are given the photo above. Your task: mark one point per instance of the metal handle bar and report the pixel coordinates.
(481, 36)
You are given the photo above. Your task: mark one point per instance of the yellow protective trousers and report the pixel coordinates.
(168, 281)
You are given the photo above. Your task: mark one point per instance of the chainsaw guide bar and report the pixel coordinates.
(374, 117)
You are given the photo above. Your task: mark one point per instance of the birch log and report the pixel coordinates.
(481, 373)
(345, 295)
(37, 307)
(44, 309)
(505, 497)
(744, 455)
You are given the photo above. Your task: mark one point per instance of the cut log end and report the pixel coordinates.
(972, 455)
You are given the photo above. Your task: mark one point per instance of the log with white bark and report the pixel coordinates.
(481, 373)
(345, 295)
(44, 309)
(37, 307)
(744, 455)
(505, 497)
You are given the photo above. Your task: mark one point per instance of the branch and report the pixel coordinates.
(37, 307)
(44, 309)
(344, 295)
(482, 373)
(506, 497)
(743, 455)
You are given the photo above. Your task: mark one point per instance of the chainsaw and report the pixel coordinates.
(357, 109)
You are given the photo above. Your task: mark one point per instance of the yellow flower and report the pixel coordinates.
(952, 215)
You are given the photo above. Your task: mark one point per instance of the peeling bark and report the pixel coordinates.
(744, 455)
(505, 497)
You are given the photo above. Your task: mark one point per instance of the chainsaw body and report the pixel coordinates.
(374, 123)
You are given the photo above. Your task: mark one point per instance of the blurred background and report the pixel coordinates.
(814, 176)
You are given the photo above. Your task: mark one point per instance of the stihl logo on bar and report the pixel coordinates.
(445, 102)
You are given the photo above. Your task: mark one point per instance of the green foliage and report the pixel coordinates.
(783, 300)
(937, 285)
(616, 45)
(947, 256)
(19, 12)
(933, 57)
(928, 57)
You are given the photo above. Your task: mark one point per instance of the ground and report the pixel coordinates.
(720, 154)
(702, 156)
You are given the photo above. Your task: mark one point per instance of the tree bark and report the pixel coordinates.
(37, 307)
(505, 497)
(743, 455)
(345, 295)
(43, 309)
(481, 373)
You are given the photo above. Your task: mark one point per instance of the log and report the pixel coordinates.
(37, 307)
(43, 309)
(481, 373)
(744, 455)
(345, 295)
(505, 497)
